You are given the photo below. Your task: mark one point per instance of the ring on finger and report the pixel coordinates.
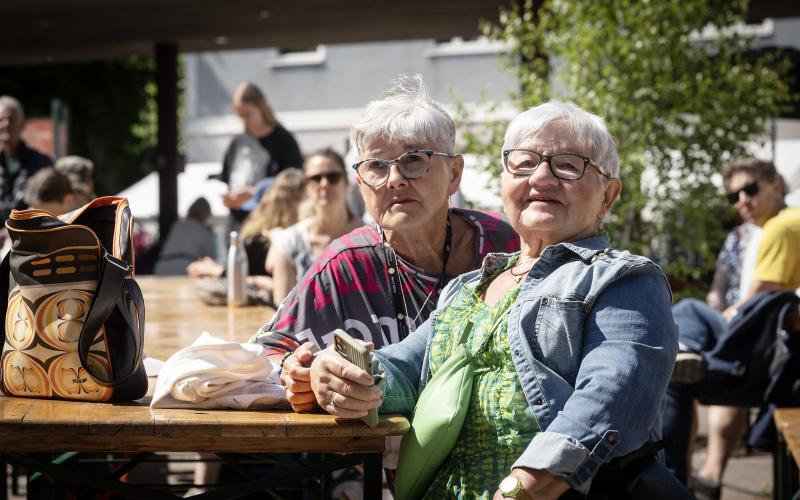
(333, 400)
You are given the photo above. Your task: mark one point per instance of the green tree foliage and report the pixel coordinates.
(679, 105)
(112, 112)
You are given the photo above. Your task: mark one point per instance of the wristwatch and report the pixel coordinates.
(511, 487)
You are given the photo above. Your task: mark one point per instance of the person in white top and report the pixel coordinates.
(297, 247)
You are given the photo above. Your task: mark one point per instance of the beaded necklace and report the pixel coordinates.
(404, 323)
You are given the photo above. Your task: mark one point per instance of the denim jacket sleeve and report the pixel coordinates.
(402, 365)
(629, 349)
(405, 364)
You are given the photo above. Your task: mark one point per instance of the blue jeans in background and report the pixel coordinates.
(699, 326)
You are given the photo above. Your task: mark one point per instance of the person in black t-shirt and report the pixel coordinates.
(262, 151)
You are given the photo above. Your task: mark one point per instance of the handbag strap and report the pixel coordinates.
(5, 273)
(109, 295)
(467, 328)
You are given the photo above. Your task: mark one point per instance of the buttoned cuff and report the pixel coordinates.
(565, 456)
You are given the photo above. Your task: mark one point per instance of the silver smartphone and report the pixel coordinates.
(352, 350)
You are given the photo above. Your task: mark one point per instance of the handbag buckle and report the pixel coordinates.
(124, 266)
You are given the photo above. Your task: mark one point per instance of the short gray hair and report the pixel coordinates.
(77, 168)
(7, 100)
(591, 133)
(406, 113)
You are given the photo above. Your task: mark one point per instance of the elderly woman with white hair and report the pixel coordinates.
(573, 341)
(381, 281)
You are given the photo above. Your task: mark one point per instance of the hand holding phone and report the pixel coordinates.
(352, 350)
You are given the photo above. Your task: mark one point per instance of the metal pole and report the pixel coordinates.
(167, 148)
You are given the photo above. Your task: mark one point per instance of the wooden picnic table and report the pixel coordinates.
(174, 319)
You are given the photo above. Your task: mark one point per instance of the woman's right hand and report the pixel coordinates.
(296, 378)
(342, 388)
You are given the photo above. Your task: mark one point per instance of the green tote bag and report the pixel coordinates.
(438, 417)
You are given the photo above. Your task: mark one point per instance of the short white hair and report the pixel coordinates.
(590, 131)
(7, 100)
(406, 113)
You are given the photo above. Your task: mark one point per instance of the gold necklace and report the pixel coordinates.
(521, 276)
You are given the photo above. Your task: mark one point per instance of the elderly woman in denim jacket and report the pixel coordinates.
(576, 341)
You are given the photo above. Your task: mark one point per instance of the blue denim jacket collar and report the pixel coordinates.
(586, 249)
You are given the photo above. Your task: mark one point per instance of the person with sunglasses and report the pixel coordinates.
(757, 191)
(382, 280)
(297, 247)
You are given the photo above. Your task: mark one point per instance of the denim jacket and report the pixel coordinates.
(593, 342)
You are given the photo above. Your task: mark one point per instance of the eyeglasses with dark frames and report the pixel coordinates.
(564, 166)
(750, 189)
(412, 165)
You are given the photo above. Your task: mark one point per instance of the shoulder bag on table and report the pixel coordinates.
(74, 316)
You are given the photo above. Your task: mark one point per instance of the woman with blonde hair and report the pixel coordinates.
(277, 209)
(296, 248)
(262, 151)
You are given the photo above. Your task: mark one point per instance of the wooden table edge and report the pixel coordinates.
(787, 421)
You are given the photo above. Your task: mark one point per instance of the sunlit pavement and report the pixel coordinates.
(747, 477)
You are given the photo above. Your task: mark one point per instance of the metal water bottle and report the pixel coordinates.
(237, 272)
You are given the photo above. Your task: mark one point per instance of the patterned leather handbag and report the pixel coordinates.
(74, 319)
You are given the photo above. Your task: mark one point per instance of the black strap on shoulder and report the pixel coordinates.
(108, 296)
(392, 270)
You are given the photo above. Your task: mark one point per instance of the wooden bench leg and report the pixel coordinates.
(785, 475)
(3, 477)
(373, 475)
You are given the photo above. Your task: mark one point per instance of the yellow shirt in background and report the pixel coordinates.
(778, 258)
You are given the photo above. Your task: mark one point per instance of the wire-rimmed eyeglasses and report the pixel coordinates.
(412, 165)
(564, 166)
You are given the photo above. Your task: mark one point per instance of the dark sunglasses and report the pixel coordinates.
(749, 189)
(331, 177)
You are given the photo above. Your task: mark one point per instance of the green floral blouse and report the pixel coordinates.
(499, 424)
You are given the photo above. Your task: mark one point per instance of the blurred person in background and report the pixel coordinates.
(189, 239)
(296, 248)
(18, 162)
(276, 210)
(262, 151)
(757, 191)
(47, 190)
(728, 271)
(80, 171)
(51, 191)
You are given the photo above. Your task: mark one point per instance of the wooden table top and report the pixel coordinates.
(787, 420)
(28, 425)
(174, 319)
(175, 316)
